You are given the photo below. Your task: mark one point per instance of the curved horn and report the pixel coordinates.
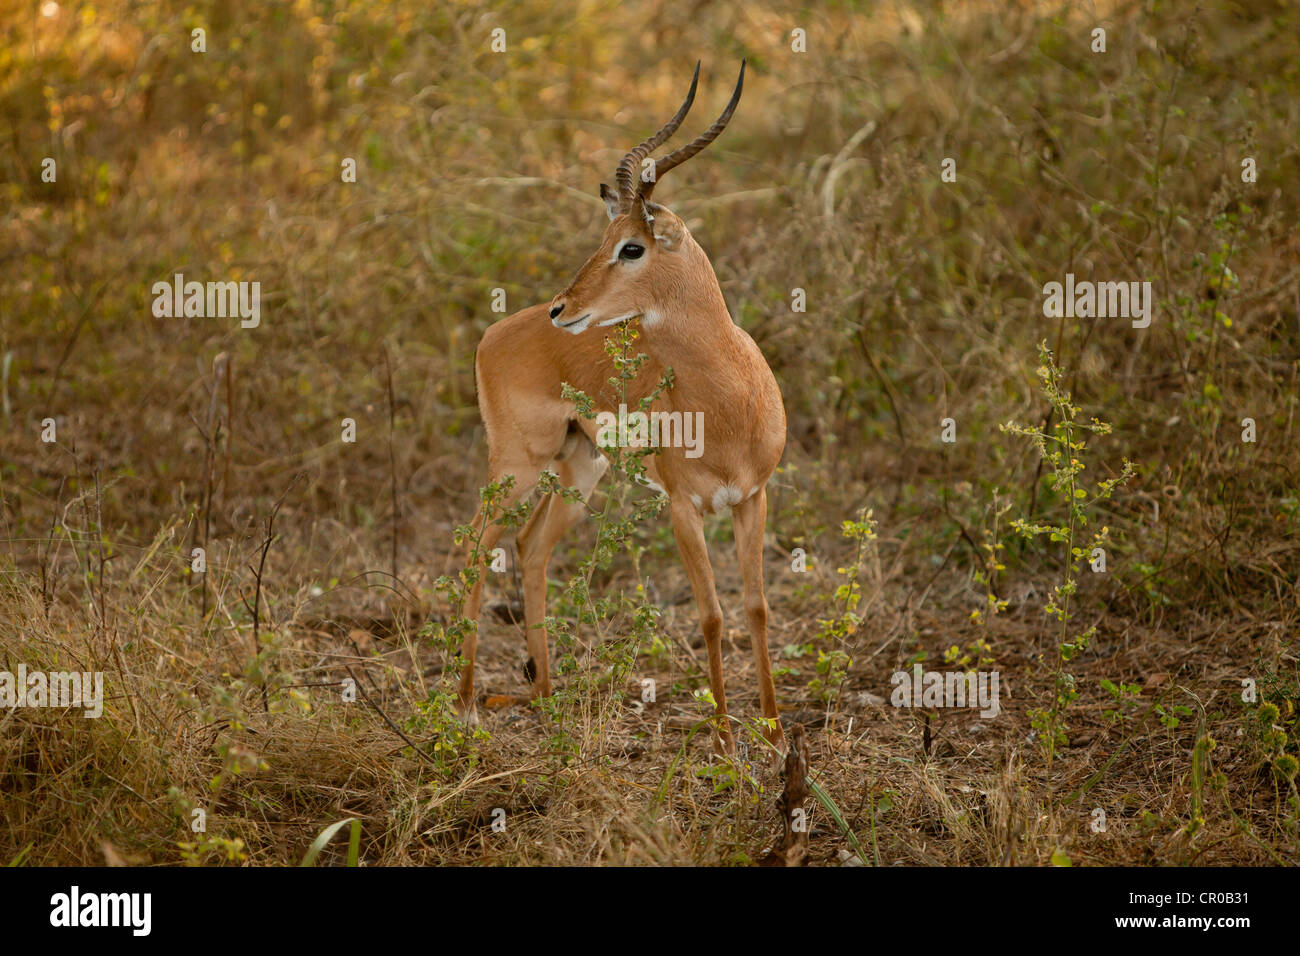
(626, 168)
(679, 156)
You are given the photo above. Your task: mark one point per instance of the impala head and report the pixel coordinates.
(647, 257)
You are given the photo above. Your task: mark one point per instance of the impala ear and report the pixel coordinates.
(665, 227)
(612, 204)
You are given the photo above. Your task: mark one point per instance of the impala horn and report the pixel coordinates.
(679, 156)
(627, 169)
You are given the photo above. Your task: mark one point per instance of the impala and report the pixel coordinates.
(648, 268)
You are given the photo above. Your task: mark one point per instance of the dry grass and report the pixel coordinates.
(478, 171)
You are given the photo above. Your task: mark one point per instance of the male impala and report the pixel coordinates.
(648, 268)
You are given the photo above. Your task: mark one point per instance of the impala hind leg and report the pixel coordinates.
(750, 518)
(580, 467)
(688, 528)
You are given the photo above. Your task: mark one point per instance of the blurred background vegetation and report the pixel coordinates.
(478, 170)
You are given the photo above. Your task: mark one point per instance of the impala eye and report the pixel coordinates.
(631, 251)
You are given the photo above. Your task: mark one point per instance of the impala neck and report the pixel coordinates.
(690, 314)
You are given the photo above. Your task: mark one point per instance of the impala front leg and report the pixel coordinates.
(688, 528)
(581, 468)
(487, 540)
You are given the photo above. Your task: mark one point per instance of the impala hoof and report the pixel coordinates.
(468, 715)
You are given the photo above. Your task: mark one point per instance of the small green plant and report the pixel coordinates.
(1272, 729)
(987, 575)
(1063, 447)
(1127, 699)
(592, 692)
(976, 654)
(1171, 717)
(205, 849)
(1201, 773)
(1204, 322)
(832, 641)
(212, 849)
(1153, 585)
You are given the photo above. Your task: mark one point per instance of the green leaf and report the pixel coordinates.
(833, 809)
(354, 842)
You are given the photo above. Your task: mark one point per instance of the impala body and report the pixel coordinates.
(648, 269)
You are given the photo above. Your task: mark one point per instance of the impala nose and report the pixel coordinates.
(556, 309)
